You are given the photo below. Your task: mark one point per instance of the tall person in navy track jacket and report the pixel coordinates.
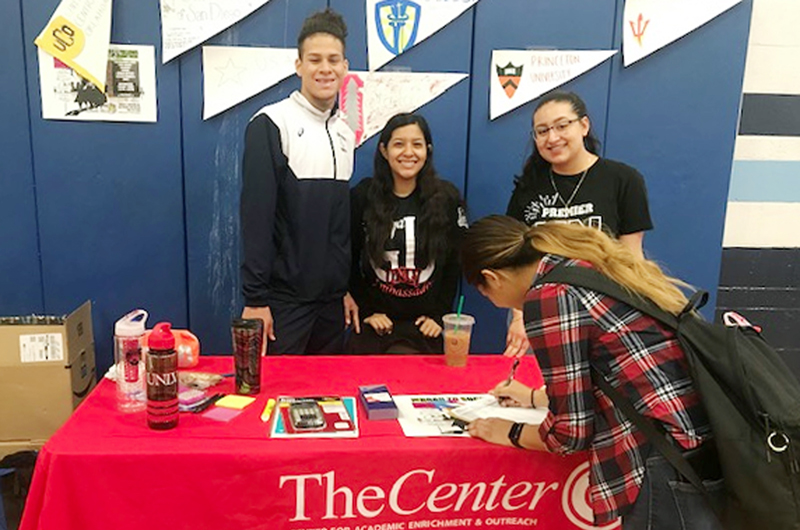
(295, 203)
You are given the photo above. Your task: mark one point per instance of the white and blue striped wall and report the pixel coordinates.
(761, 254)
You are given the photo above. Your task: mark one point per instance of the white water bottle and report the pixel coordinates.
(130, 364)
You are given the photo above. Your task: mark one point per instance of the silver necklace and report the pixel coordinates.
(574, 192)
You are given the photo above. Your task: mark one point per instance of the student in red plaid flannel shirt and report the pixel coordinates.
(570, 327)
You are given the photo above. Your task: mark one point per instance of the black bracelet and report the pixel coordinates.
(514, 433)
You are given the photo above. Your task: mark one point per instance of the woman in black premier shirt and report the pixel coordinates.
(565, 180)
(407, 225)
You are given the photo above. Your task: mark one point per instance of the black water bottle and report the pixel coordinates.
(162, 378)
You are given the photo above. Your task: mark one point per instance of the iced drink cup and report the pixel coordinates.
(457, 334)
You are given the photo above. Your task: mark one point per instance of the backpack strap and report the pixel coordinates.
(654, 432)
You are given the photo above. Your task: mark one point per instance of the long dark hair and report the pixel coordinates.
(535, 164)
(431, 229)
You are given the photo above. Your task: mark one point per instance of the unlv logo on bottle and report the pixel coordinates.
(170, 378)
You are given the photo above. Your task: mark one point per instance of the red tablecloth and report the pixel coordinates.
(107, 470)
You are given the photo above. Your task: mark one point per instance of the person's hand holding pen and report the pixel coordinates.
(515, 394)
(508, 400)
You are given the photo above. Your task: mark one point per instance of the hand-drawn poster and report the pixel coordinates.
(520, 76)
(187, 23)
(369, 99)
(231, 74)
(130, 94)
(393, 26)
(78, 35)
(649, 25)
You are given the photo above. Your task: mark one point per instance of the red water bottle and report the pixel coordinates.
(162, 378)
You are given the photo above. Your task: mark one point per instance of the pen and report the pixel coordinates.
(512, 372)
(203, 405)
(268, 410)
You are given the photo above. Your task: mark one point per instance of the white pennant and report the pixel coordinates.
(231, 74)
(520, 76)
(78, 35)
(393, 26)
(187, 23)
(649, 25)
(369, 99)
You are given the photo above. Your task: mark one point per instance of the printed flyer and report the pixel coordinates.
(130, 94)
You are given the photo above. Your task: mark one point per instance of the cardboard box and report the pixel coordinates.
(47, 367)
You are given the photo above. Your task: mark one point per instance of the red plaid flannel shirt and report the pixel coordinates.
(570, 326)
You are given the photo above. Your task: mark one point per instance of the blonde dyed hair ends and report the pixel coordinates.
(498, 242)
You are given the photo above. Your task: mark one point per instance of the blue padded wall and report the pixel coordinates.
(110, 195)
(20, 268)
(673, 116)
(146, 215)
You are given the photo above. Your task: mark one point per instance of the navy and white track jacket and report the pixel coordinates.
(295, 204)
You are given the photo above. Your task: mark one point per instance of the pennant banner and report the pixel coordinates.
(393, 26)
(78, 35)
(519, 76)
(231, 74)
(129, 96)
(649, 25)
(369, 99)
(187, 23)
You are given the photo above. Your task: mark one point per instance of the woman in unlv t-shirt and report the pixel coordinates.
(406, 229)
(565, 180)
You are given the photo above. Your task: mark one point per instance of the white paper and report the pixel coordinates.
(520, 76)
(649, 25)
(41, 347)
(130, 91)
(187, 23)
(369, 99)
(78, 34)
(394, 26)
(231, 74)
(489, 407)
(427, 415)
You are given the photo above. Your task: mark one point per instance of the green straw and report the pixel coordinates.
(458, 311)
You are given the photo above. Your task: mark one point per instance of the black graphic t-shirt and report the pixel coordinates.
(402, 287)
(612, 196)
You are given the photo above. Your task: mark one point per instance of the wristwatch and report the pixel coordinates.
(514, 433)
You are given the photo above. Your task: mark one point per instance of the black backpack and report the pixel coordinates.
(751, 397)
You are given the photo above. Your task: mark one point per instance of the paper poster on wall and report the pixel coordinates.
(231, 74)
(369, 99)
(649, 25)
(78, 35)
(394, 26)
(130, 79)
(187, 23)
(520, 76)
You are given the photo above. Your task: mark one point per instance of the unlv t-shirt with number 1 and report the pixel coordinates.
(613, 196)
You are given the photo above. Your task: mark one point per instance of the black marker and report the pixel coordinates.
(203, 405)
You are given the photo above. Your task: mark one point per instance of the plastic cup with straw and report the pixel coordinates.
(457, 332)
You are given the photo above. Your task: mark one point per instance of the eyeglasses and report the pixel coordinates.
(540, 133)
